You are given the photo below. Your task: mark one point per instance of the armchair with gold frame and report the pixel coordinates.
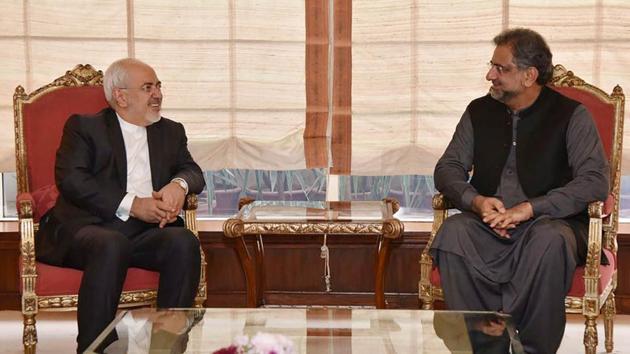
(594, 284)
(39, 120)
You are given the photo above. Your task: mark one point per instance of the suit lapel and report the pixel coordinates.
(154, 137)
(118, 146)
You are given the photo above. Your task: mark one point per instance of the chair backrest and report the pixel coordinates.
(39, 120)
(608, 112)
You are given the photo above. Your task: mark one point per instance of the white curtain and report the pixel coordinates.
(232, 71)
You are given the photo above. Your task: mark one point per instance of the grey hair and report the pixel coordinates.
(529, 49)
(116, 76)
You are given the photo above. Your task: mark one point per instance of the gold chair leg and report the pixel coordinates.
(29, 336)
(427, 305)
(590, 334)
(609, 317)
(426, 297)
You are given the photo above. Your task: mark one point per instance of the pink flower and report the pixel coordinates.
(240, 341)
(229, 350)
(261, 343)
(267, 343)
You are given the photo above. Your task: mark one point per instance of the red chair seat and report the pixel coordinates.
(577, 288)
(57, 281)
(606, 273)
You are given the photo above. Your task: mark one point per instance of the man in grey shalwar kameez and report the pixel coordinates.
(538, 161)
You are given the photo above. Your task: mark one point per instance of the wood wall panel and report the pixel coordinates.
(9, 274)
(294, 271)
(623, 274)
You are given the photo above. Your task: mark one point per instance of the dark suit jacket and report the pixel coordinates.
(91, 175)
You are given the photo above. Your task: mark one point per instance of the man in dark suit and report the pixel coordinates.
(123, 174)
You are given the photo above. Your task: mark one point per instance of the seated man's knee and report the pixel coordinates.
(183, 243)
(459, 224)
(110, 244)
(552, 233)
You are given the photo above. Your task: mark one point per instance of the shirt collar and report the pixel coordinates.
(527, 111)
(128, 127)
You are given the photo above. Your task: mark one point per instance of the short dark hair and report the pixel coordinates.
(529, 49)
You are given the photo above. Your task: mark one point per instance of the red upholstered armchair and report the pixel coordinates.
(594, 285)
(39, 120)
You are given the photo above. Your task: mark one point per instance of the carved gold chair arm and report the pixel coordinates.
(439, 202)
(191, 202)
(190, 218)
(190, 213)
(27, 227)
(440, 212)
(27, 251)
(593, 256)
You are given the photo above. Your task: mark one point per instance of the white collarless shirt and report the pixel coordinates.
(139, 182)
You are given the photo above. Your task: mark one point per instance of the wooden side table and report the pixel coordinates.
(258, 218)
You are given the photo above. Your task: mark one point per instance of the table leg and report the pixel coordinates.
(382, 257)
(260, 270)
(250, 273)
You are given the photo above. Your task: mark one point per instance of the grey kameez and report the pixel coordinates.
(529, 274)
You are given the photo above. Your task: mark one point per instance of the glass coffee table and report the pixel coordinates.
(275, 219)
(311, 330)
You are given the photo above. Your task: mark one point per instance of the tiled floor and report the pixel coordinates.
(57, 331)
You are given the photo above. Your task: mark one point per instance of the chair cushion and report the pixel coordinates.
(43, 121)
(577, 288)
(609, 205)
(52, 280)
(603, 114)
(606, 273)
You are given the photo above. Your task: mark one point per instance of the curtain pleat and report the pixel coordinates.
(342, 89)
(316, 68)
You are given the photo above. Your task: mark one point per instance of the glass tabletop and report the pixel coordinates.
(310, 330)
(308, 211)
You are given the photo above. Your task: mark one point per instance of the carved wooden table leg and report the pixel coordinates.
(250, 272)
(260, 271)
(382, 255)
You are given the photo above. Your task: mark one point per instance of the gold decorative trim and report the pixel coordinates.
(596, 210)
(25, 209)
(609, 317)
(233, 228)
(191, 202)
(312, 228)
(127, 298)
(28, 259)
(29, 334)
(392, 228)
(573, 304)
(81, 75)
(590, 334)
(592, 261)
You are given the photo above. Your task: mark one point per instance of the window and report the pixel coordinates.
(8, 192)
(225, 187)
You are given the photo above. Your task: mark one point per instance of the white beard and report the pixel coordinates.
(152, 117)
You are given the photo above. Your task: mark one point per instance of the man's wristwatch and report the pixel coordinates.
(180, 182)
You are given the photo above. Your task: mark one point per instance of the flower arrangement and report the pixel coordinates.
(261, 343)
